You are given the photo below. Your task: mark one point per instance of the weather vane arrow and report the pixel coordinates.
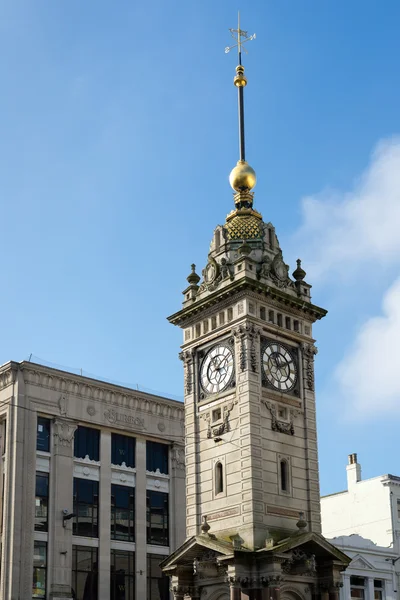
(241, 37)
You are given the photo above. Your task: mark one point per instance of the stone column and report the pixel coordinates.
(177, 497)
(346, 586)
(19, 496)
(60, 499)
(104, 556)
(140, 518)
(235, 588)
(370, 593)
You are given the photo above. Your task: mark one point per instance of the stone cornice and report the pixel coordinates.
(95, 390)
(238, 289)
(8, 374)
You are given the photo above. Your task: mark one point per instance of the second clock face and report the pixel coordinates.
(279, 367)
(216, 369)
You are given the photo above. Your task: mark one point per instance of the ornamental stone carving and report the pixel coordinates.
(246, 335)
(63, 432)
(178, 458)
(281, 426)
(309, 351)
(187, 359)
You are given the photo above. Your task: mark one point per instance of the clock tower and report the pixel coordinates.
(252, 487)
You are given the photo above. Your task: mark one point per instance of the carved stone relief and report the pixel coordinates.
(246, 335)
(187, 359)
(278, 425)
(215, 431)
(309, 351)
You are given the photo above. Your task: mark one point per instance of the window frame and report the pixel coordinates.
(43, 422)
(163, 594)
(130, 537)
(151, 538)
(78, 492)
(153, 450)
(85, 445)
(93, 570)
(130, 442)
(45, 498)
(130, 575)
(37, 569)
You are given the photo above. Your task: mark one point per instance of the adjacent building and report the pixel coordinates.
(369, 508)
(93, 488)
(371, 575)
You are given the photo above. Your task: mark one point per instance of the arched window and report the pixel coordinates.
(284, 476)
(219, 478)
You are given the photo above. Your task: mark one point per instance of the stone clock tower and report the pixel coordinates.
(252, 489)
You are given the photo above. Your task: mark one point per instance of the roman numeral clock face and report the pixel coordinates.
(216, 370)
(279, 367)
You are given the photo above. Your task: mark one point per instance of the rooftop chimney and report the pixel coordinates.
(353, 471)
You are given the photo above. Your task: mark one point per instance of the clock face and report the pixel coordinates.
(279, 367)
(217, 369)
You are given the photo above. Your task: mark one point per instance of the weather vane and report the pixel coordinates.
(240, 37)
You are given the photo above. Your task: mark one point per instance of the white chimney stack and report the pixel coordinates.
(353, 471)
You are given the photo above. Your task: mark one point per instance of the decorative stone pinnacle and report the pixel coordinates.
(301, 523)
(205, 527)
(299, 273)
(193, 278)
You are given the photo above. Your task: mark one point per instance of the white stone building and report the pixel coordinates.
(93, 488)
(369, 508)
(371, 575)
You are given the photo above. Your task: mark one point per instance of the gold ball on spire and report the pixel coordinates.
(242, 177)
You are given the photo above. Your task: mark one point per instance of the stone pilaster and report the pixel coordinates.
(140, 518)
(60, 500)
(177, 505)
(105, 514)
(19, 496)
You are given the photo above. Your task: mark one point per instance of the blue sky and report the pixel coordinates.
(118, 133)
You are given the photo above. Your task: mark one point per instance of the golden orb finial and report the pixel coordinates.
(242, 177)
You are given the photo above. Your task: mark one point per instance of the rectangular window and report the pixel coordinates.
(122, 513)
(378, 589)
(122, 575)
(41, 501)
(398, 509)
(157, 457)
(86, 507)
(157, 582)
(262, 313)
(221, 318)
(86, 443)
(84, 573)
(296, 326)
(157, 518)
(271, 316)
(39, 570)
(122, 450)
(230, 314)
(279, 320)
(287, 323)
(357, 587)
(43, 434)
(4, 431)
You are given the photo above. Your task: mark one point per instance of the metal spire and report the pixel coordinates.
(241, 37)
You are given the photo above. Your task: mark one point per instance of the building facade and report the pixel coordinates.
(252, 483)
(369, 508)
(93, 488)
(371, 575)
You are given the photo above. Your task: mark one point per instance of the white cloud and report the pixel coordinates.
(343, 230)
(368, 374)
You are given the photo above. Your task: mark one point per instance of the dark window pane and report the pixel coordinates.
(122, 513)
(122, 578)
(84, 573)
(156, 457)
(122, 450)
(85, 508)
(157, 582)
(43, 434)
(157, 518)
(41, 501)
(86, 443)
(39, 570)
